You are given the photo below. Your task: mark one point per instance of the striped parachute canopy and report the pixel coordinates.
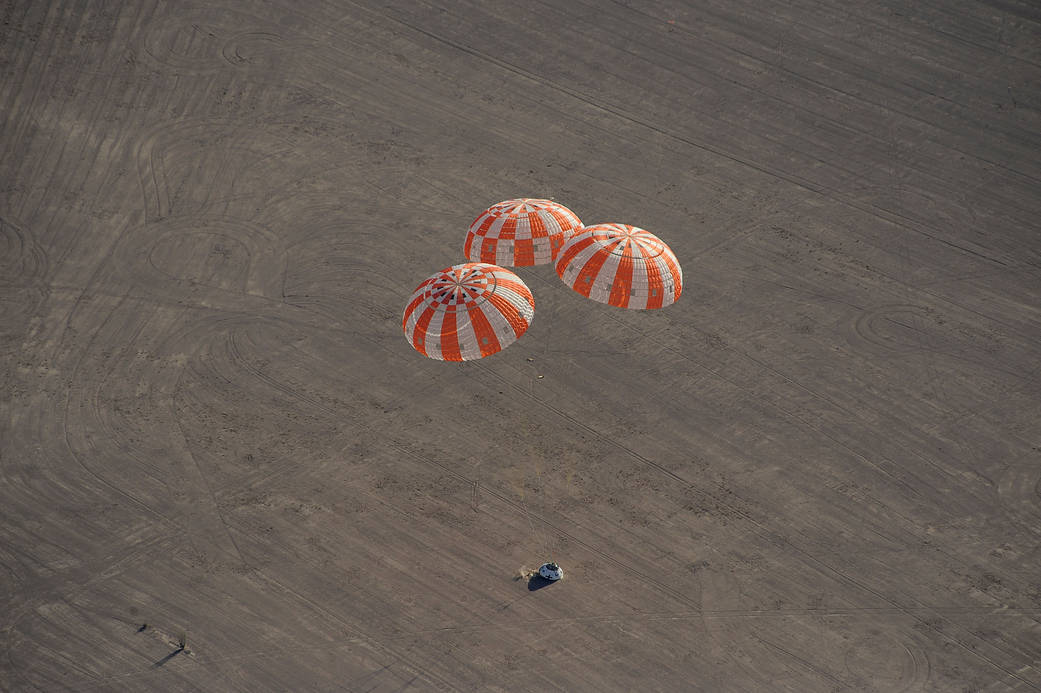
(467, 312)
(622, 266)
(520, 232)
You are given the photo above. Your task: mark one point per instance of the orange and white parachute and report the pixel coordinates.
(620, 265)
(467, 312)
(520, 232)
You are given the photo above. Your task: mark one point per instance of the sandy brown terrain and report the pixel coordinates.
(818, 471)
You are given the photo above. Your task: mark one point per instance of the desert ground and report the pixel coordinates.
(222, 467)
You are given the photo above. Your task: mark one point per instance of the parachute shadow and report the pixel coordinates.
(167, 658)
(537, 582)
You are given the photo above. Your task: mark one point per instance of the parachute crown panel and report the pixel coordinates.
(520, 232)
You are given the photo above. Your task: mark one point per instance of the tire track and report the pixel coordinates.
(854, 70)
(1019, 490)
(23, 267)
(194, 43)
(85, 443)
(190, 252)
(124, 102)
(108, 564)
(180, 42)
(793, 417)
(207, 521)
(27, 105)
(159, 386)
(83, 130)
(819, 189)
(234, 363)
(435, 679)
(906, 329)
(789, 655)
(200, 485)
(17, 49)
(673, 51)
(50, 118)
(223, 340)
(779, 540)
(915, 680)
(560, 531)
(336, 73)
(173, 155)
(948, 11)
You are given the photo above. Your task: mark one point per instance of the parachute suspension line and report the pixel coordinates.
(540, 542)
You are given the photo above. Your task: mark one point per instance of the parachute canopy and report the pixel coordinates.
(520, 232)
(467, 312)
(620, 265)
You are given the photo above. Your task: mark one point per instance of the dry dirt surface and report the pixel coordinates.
(222, 468)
